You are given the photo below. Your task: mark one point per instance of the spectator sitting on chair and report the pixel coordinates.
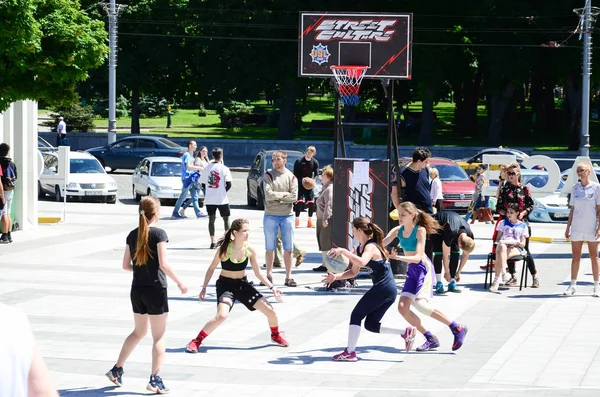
(455, 234)
(511, 241)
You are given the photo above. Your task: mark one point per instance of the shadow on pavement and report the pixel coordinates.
(205, 349)
(103, 391)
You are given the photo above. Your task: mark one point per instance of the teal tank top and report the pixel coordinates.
(409, 243)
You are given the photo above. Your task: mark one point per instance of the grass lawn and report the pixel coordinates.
(187, 124)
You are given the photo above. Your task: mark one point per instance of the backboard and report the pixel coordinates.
(380, 41)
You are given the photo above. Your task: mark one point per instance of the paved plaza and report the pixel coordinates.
(68, 279)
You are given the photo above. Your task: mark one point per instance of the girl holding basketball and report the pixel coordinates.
(414, 227)
(373, 305)
(234, 254)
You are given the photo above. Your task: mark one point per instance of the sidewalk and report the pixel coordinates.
(68, 279)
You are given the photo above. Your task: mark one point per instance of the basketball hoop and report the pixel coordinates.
(348, 82)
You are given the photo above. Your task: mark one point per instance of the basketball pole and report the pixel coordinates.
(336, 123)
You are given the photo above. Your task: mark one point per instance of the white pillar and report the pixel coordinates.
(19, 130)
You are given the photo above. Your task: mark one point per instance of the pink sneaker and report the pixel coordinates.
(409, 338)
(345, 356)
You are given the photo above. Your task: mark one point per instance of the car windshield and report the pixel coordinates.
(86, 166)
(168, 143)
(162, 168)
(451, 172)
(291, 159)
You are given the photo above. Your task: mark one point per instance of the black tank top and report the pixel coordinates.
(229, 264)
(381, 270)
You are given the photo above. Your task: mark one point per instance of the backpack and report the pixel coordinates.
(9, 174)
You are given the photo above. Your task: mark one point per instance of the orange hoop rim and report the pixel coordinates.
(340, 67)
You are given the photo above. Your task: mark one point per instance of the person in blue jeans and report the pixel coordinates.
(281, 192)
(187, 170)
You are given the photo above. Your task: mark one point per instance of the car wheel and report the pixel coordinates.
(251, 201)
(136, 195)
(41, 193)
(260, 201)
(112, 201)
(57, 194)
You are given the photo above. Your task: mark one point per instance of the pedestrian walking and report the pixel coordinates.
(9, 177)
(146, 256)
(187, 173)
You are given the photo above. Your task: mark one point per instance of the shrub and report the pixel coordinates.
(233, 113)
(202, 111)
(77, 117)
(155, 107)
(122, 107)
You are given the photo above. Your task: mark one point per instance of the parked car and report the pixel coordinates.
(262, 163)
(470, 164)
(550, 208)
(159, 177)
(44, 146)
(128, 152)
(457, 188)
(87, 179)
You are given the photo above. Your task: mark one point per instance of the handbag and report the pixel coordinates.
(484, 215)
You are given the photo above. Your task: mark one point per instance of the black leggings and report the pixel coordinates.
(437, 248)
(305, 201)
(373, 305)
(211, 223)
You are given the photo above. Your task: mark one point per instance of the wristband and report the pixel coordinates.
(203, 288)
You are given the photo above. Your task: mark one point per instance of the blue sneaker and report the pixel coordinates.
(175, 215)
(452, 287)
(460, 332)
(201, 215)
(430, 344)
(115, 375)
(439, 288)
(156, 385)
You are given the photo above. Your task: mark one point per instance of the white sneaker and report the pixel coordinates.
(505, 278)
(596, 292)
(570, 291)
(494, 287)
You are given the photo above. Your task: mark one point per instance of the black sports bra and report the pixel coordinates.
(229, 264)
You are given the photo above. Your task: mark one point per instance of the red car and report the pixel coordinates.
(456, 186)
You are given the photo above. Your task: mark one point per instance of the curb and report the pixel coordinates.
(48, 219)
(549, 240)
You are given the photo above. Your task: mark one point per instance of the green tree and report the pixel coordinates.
(46, 47)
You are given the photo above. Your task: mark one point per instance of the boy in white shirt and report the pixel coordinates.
(216, 179)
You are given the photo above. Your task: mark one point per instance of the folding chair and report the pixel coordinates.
(489, 270)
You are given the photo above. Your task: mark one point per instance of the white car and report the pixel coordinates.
(87, 179)
(159, 177)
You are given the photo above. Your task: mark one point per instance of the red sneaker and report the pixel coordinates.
(278, 338)
(484, 267)
(193, 346)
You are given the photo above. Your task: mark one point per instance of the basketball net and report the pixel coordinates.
(348, 80)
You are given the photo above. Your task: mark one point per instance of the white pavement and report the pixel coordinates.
(68, 279)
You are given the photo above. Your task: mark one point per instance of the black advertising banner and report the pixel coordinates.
(360, 188)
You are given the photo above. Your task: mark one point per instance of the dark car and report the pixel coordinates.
(128, 152)
(261, 164)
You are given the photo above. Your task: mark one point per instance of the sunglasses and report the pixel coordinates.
(512, 173)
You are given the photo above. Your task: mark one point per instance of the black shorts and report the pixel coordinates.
(231, 289)
(149, 300)
(306, 195)
(224, 210)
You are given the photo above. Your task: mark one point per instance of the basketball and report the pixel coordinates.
(336, 265)
(308, 183)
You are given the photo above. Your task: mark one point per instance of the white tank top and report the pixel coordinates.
(16, 352)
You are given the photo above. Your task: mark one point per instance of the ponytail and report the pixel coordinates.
(148, 208)
(427, 221)
(378, 236)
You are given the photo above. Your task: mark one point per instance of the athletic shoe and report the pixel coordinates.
(535, 283)
(484, 267)
(439, 288)
(572, 290)
(345, 356)
(156, 385)
(193, 346)
(452, 287)
(297, 223)
(596, 292)
(4, 239)
(319, 269)
(10, 240)
(430, 344)
(460, 332)
(182, 212)
(176, 216)
(494, 287)
(201, 215)
(213, 245)
(300, 258)
(309, 223)
(115, 375)
(505, 278)
(409, 338)
(512, 281)
(279, 339)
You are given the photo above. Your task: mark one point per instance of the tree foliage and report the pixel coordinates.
(47, 47)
